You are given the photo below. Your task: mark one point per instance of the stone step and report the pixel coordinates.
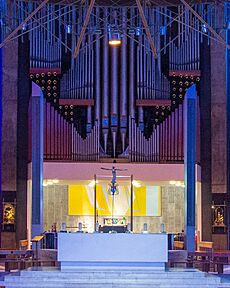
(115, 276)
(108, 279)
(74, 285)
(112, 278)
(114, 281)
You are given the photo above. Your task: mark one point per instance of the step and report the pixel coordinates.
(134, 279)
(73, 285)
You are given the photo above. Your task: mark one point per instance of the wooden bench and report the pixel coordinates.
(15, 259)
(205, 246)
(178, 245)
(200, 260)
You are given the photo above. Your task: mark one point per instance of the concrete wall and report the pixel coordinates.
(56, 211)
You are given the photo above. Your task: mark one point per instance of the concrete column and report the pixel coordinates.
(189, 167)
(1, 218)
(9, 123)
(37, 160)
(218, 122)
(218, 111)
(228, 118)
(205, 141)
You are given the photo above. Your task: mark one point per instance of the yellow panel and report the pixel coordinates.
(102, 205)
(78, 201)
(139, 203)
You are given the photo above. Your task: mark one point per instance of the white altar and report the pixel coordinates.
(112, 249)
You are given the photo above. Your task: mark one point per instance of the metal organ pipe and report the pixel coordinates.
(114, 96)
(88, 81)
(140, 60)
(123, 85)
(97, 78)
(131, 74)
(105, 102)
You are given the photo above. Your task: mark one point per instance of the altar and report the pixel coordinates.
(112, 249)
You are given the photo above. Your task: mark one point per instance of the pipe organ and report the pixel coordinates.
(114, 101)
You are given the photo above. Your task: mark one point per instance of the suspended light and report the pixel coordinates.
(68, 29)
(24, 27)
(98, 31)
(131, 31)
(204, 28)
(138, 31)
(163, 30)
(114, 37)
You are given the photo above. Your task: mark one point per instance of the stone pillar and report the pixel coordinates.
(218, 123)
(189, 167)
(1, 218)
(9, 127)
(228, 117)
(205, 141)
(37, 160)
(22, 138)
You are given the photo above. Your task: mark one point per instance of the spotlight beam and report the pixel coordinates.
(12, 34)
(85, 24)
(146, 28)
(205, 23)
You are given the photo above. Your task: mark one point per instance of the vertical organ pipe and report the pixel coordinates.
(114, 95)
(97, 78)
(123, 82)
(105, 102)
(131, 77)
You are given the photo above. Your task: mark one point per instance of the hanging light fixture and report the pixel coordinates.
(24, 27)
(114, 36)
(204, 28)
(68, 29)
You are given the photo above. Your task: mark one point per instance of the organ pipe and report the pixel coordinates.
(123, 82)
(114, 95)
(97, 78)
(105, 93)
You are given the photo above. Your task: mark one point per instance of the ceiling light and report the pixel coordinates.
(49, 182)
(136, 184)
(204, 28)
(92, 183)
(131, 31)
(138, 31)
(24, 27)
(114, 37)
(68, 29)
(163, 30)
